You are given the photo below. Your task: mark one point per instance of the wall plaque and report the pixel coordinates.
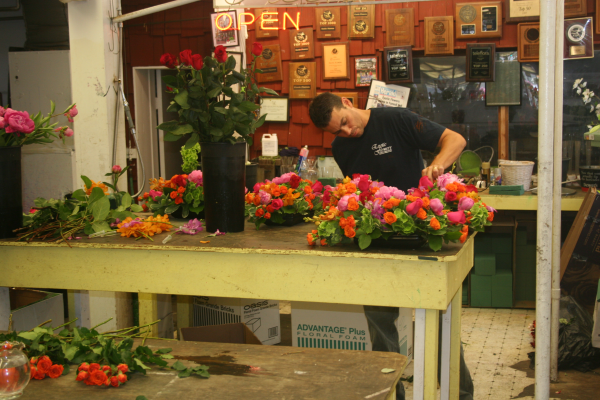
(397, 64)
(478, 20)
(302, 44)
(528, 40)
(481, 59)
(522, 10)
(361, 21)
(439, 35)
(366, 71)
(336, 61)
(269, 64)
(266, 24)
(579, 38)
(303, 80)
(328, 22)
(400, 27)
(575, 8)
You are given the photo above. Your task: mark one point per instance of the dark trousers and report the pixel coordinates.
(384, 337)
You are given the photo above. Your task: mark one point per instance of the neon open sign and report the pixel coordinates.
(224, 22)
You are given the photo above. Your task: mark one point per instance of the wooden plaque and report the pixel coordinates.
(361, 21)
(328, 22)
(397, 64)
(522, 10)
(302, 44)
(439, 36)
(336, 60)
(400, 27)
(528, 42)
(352, 96)
(579, 38)
(575, 8)
(266, 25)
(478, 20)
(481, 59)
(303, 80)
(270, 64)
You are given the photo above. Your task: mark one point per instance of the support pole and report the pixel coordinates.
(545, 199)
(152, 10)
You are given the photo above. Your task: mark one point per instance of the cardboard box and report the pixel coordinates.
(343, 326)
(32, 307)
(227, 333)
(261, 316)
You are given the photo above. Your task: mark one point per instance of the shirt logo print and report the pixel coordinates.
(380, 149)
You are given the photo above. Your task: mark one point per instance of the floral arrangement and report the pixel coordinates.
(166, 197)
(288, 194)
(17, 128)
(106, 375)
(587, 96)
(42, 366)
(365, 209)
(208, 107)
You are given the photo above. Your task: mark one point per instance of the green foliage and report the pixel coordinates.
(189, 155)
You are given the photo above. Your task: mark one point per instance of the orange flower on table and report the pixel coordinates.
(44, 364)
(98, 378)
(101, 185)
(310, 237)
(352, 204)
(345, 222)
(421, 214)
(290, 196)
(349, 231)
(35, 374)
(257, 200)
(323, 242)
(425, 201)
(259, 212)
(267, 215)
(249, 198)
(331, 214)
(490, 216)
(434, 223)
(390, 217)
(55, 371)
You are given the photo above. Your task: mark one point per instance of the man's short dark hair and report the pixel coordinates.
(322, 106)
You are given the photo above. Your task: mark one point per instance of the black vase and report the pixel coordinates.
(11, 208)
(224, 176)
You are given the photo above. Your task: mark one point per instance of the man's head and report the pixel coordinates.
(337, 115)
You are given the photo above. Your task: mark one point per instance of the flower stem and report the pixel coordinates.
(102, 323)
(65, 324)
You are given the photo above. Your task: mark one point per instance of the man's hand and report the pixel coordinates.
(433, 171)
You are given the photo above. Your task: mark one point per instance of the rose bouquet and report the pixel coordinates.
(181, 191)
(288, 194)
(365, 209)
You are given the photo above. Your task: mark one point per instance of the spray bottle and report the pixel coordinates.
(301, 159)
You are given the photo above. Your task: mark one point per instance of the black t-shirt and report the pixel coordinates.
(389, 148)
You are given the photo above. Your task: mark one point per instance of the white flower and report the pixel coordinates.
(587, 95)
(592, 108)
(577, 81)
(589, 127)
(578, 90)
(584, 84)
(598, 106)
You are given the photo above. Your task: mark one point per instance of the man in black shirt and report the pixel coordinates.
(386, 144)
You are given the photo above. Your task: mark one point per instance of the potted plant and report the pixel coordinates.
(212, 113)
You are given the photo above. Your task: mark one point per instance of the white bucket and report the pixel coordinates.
(269, 145)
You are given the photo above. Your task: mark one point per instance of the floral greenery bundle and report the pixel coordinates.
(587, 96)
(190, 158)
(367, 210)
(288, 194)
(166, 197)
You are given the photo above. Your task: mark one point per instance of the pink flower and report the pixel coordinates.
(191, 228)
(18, 121)
(73, 112)
(445, 179)
(2, 123)
(116, 169)
(2, 111)
(419, 193)
(285, 178)
(398, 194)
(465, 203)
(196, 177)
(490, 209)
(317, 187)
(436, 206)
(343, 203)
(277, 204)
(154, 194)
(69, 132)
(456, 217)
(265, 197)
(450, 196)
(32, 211)
(414, 207)
(256, 187)
(425, 183)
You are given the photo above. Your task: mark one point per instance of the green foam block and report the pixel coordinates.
(502, 293)
(502, 243)
(481, 283)
(485, 264)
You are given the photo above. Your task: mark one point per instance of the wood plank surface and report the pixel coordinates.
(241, 371)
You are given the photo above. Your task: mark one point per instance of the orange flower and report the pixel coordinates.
(421, 214)
(490, 216)
(389, 217)
(159, 184)
(276, 192)
(149, 227)
(98, 378)
(350, 187)
(435, 224)
(178, 200)
(55, 371)
(460, 187)
(463, 237)
(411, 198)
(425, 201)
(323, 242)
(388, 205)
(259, 212)
(173, 195)
(349, 231)
(249, 198)
(257, 200)
(465, 229)
(452, 187)
(270, 209)
(310, 239)
(290, 196)
(307, 189)
(344, 222)
(267, 215)
(352, 204)
(181, 189)
(44, 364)
(283, 189)
(101, 185)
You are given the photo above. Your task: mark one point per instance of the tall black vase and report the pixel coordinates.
(11, 209)
(224, 177)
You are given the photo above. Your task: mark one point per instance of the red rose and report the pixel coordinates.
(97, 378)
(186, 57)
(168, 60)
(294, 181)
(450, 196)
(107, 370)
(122, 378)
(179, 180)
(197, 62)
(83, 367)
(471, 188)
(34, 360)
(36, 374)
(44, 364)
(93, 367)
(123, 368)
(114, 381)
(221, 54)
(55, 371)
(257, 49)
(317, 187)
(82, 376)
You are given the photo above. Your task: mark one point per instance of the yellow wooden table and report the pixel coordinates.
(272, 263)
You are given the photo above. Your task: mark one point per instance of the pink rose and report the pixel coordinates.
(436, 206)
(414, 207)
(450, 196)
(398, 194)
(317, 187)
(456, 217)
(265, 197)
(445, 179)
(465, 203)
(68, 132)
(18, 121)
(116, 169)
(196, 177)
(2, 123)
(154, 194)
(73, 111)
(256, 187)
(2, 111)
(424, 182)
(277, 204)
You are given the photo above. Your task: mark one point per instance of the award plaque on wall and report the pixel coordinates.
(366, 71)
(397, 64)
(266, 23)
(575, 8)
(579, 39)
(328, 22)
(336, 61)
(400, 27)
(478, 20)
(302, 44)
(269, 64)
(439, 36)
(303, 80)
(480, 62)
(361, 21)
(522, 10)
(528, 40)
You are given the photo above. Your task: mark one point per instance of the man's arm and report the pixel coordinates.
(451, 144)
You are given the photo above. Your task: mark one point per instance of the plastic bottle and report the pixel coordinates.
(485, 173)
(269, 145)
(302, 159)
(492, 178)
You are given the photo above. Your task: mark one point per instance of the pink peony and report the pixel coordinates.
(116, 169)
(456, 217)
(265, 197)
(414, 207)
(196, 177)
(343, 203)
(445, 179)
(436, 206)
(18, 121)
(425, 183)
(465, 203)
(285, 178)
(277, 204)
(256, 187)
(398, 194)
(69, 132)
(154, 194)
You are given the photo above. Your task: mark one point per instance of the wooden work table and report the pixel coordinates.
(529, 201)
(271, 263)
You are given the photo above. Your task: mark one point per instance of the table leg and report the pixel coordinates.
(426, 354)
(148, 311)
(4, 308)
(185, 307)
(450, 360)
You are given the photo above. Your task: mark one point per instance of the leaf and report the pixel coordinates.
(191, 142)
(435, 242)
(79, 194)
(387, 370)
(52, 107)
(126, 200)
(136, 208)
(167, 356)
(182, 99)
(364, 241)
(178, 366)
(142, 397)
(268, 91)
(70, 352)
(29, 335)
(168, 126)
(101, 226)
(141, 364)
(96, 194)
(164, 351)
(248, 106)
(214, 92)
(87, 181)
(182, 130)
(100, 209)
